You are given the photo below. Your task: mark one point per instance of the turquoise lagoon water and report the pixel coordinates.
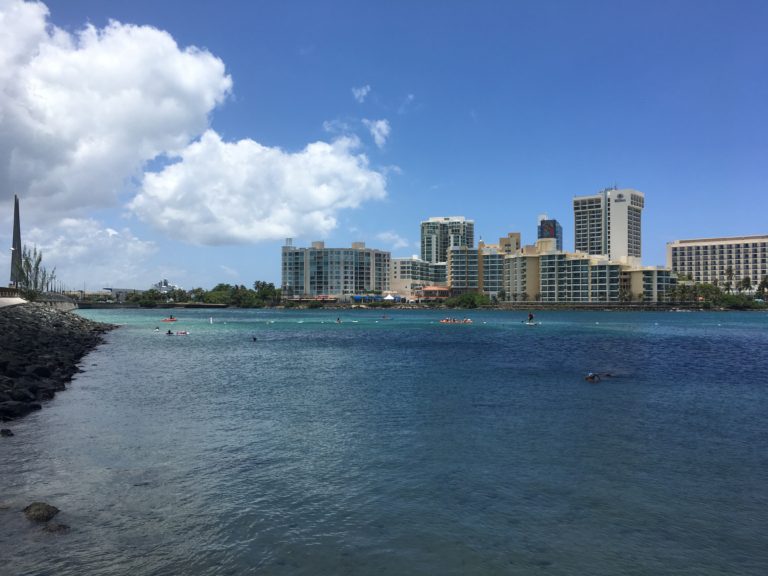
(399, 446)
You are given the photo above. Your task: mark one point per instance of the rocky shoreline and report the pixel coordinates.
(40, 348)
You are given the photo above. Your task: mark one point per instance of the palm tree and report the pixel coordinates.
(745, 284)
(34, 278)
(762, 287)
(728, 279)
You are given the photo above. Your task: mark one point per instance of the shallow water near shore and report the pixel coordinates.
(283, 442)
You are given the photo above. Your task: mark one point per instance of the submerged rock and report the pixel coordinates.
(40, 512)
(56, 528)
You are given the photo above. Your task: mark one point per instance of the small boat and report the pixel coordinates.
(182, 333)
(170, 319)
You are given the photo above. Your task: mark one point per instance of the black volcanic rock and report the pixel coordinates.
(15, 409)
(39, 351)
(40, 512)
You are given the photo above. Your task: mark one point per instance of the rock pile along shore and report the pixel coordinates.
(39, 351)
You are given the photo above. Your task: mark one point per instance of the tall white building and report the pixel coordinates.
(440, 234)
(608, 224)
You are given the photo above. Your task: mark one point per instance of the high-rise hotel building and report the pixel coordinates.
(608, 224)
(720, 259)
(440, 234)
(337, 272)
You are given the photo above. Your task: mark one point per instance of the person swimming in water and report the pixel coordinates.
(592, 377)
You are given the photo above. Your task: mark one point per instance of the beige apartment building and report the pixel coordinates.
(714, 260)
(545, 274)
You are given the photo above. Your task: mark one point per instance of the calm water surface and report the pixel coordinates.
(401, 446)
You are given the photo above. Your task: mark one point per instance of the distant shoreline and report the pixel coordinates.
(507, 306)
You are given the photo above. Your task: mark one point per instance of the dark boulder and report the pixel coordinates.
(22, 395)
(12, 372)
(42, 371)
(40, 512)
(6, 432)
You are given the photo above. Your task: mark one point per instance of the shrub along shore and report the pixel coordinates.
(40, 348)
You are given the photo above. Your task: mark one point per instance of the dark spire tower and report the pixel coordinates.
(16, 247)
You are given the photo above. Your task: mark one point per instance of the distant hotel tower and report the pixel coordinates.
(608, 223)
(440, 234)
(550, 229)
(720, 259)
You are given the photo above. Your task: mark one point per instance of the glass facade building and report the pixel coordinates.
(550, 228)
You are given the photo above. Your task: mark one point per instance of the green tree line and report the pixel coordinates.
(728, 294)
(263, 294)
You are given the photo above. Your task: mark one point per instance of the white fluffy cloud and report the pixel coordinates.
(82, 249)
(361, 93)
(242, 192)
(393, 240)
(82, 113)
(379, 129)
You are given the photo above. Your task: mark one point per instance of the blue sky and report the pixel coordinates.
(186, 140)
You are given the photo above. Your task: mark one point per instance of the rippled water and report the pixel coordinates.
(401, 446)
